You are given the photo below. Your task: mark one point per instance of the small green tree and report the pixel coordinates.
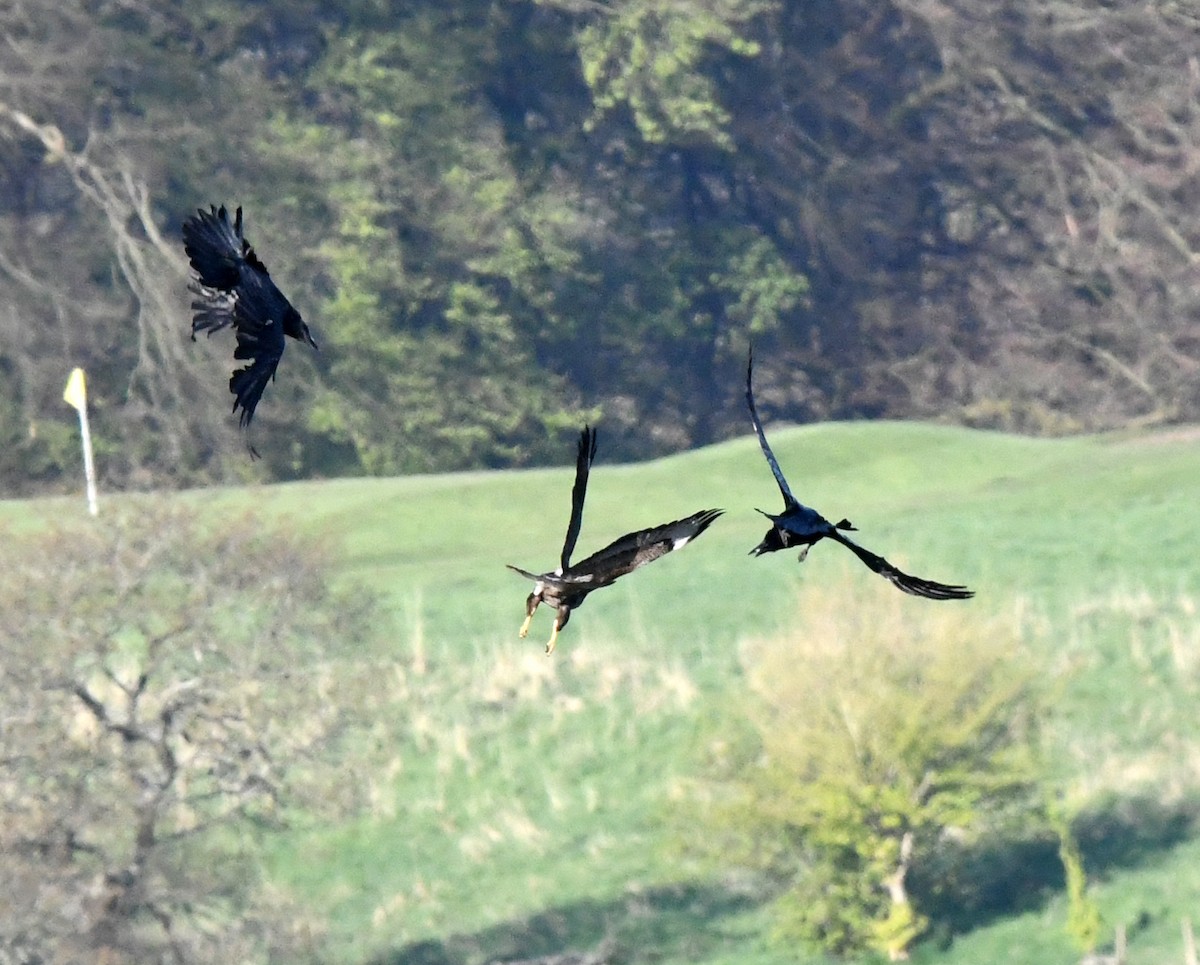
(444, 264)
(879, 729)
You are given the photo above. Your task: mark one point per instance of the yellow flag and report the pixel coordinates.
(76, 391)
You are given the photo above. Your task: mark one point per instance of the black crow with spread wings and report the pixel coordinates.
(566, 587)
(235, 289)
(800, 526)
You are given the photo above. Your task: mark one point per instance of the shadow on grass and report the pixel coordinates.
(672, 922)
(965, 888)
(1129, 831)
(961, 888)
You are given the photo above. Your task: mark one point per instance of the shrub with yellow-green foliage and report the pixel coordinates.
(881, 728)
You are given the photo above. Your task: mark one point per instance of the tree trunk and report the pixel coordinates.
(898, 892)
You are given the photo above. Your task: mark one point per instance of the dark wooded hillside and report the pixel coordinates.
(502, 218)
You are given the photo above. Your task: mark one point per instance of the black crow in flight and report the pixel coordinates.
(567, 586)
(234, 288)
(800, 526)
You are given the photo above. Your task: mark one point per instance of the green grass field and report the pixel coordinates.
(532, 804)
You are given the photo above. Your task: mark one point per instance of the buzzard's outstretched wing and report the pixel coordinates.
(929, 589)
(583, 465)
(637, 549)
(789, 501)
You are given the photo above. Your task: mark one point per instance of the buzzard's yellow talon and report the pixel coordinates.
(524, 631)
(553, 639)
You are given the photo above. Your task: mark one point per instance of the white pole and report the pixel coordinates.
(89, 467)
(75, 394)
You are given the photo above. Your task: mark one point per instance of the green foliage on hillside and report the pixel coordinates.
(502, 218)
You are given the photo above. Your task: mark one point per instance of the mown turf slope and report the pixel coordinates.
(529, 800)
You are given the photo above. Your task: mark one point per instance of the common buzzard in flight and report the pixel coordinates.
(566, 587)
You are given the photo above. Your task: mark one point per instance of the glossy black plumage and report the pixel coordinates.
(798, 525)
(566, 587)
(235, 289)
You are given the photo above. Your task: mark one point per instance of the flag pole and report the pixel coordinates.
(76, 395)
(89, 467)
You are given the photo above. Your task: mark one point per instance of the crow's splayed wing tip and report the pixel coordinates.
(931, 590)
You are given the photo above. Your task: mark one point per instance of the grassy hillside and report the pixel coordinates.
(531, 803)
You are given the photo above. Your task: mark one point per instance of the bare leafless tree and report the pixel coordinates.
(1069, 159)
(164, 388)
(90, 266)
(164, 692)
